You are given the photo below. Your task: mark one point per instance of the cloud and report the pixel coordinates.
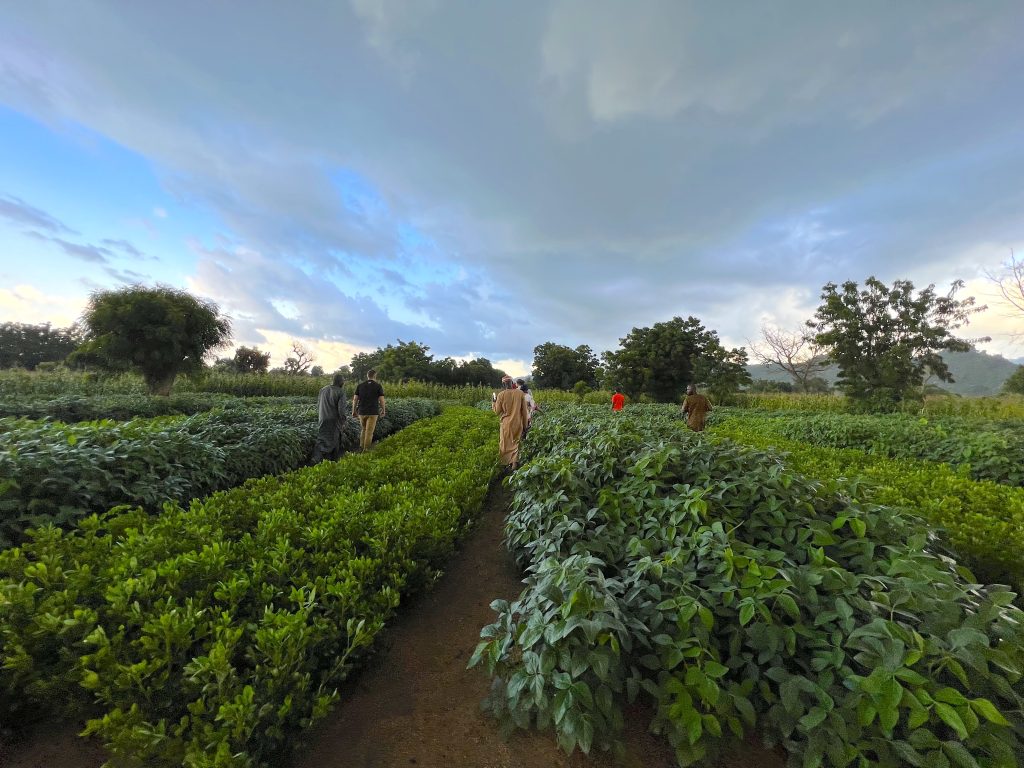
(160, 213)
(26, 303)
(18, 212)
(124, 246)
(590, 166)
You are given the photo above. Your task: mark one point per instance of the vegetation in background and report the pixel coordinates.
(659, 362)
(795, 353)
(556, 366)
(158, 332)
(887, 340)
(23, 345)
(1015, 384)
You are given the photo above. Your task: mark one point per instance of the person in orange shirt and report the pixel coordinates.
(618, 400)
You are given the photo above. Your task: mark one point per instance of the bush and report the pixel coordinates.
(208, 635)
(738, 596)
(53, 472)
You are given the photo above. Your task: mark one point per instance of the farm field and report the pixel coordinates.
(790, 577)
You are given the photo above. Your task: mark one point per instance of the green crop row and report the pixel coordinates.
(992, 450)
(72, 408)
(998, 407)
(740, 597)
(53, 472)
(984, 521)
(209, 635)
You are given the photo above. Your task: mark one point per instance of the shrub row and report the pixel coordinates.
(739, 596)
(992, 450)
(984, 521)
(73, 408)
(998, 407)
(53, 472)
(208, 635)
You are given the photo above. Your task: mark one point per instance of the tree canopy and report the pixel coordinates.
(885, 339)
(412, 360)
(556, 366)
(23, 345)
(1015, 384)
(659, 362)
(158, 332)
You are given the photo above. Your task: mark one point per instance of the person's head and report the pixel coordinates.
(522, 385)
(338, 380)
(618, 391)
(507, 383)
(371, 374)
(691, 389)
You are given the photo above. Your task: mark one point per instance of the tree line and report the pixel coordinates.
(885, 340)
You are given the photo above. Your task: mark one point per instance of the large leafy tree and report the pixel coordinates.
(886, 339)
(158, 332)
(556, 366)
(251, 360)
(23, 345)
(1015, 384)
(406, 360)
(662, 360)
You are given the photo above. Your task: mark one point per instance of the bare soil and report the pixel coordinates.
(416, 704)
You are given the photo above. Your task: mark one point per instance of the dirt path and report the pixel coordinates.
(418, 705)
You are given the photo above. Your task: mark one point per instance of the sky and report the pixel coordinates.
(487, 177)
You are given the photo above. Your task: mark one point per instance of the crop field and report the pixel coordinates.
(179, 583)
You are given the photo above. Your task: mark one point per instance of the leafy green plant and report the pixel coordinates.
(53, 472)
(738, 596)
(209, 635)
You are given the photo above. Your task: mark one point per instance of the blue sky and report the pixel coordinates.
(488, 177)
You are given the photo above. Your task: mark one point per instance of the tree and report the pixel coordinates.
(251, 360)
(478, 371)
(23, 345)
(1015, 384)
(556, 366)
(885, 340)
(795, 352)
(1011, 285)
(407, 360)
(299, 361)
(662, 360)
(363, 362)
(159, 332)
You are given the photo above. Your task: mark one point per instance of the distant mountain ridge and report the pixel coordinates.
(974, 373)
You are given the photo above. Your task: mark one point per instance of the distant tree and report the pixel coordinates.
(556, 366)
(224, 365)
(159, 332)
(581, 389)
(886, 339)
(406, 360)
(297, 364)
(478, 371)
(363, 362)
(1015, 384)
(1010, 280)
(660, 361)
(345, 371)
(316, 370)
(794, 352)
(251, 360)
(770, 386)
(23, 345)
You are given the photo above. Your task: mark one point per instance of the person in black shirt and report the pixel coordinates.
(369, 403)
(331, 417)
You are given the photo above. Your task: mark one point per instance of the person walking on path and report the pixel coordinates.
(510, 405)
(531, 404)
(618, 400)
(369, 403)
(331, 416)
(695, 408)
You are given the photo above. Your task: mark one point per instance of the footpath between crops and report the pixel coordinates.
(417, 705)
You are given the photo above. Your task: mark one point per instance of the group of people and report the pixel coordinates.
(368, 404)
(514, 405)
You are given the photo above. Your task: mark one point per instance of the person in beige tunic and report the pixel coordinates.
(695, 408)
(510, 405)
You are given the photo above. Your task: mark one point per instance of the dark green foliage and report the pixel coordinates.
(52, 472)
(159, 332)
(210, 635)
(411, 361)
(739, 597)
(1015, 384)
(556, 366)
(659, 362)
(990, 449)
(250, 360)
(23, 345)
(886, 340)
(72, 408)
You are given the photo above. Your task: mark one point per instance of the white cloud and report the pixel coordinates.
(160, 213)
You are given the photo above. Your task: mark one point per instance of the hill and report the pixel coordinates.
(974, 373)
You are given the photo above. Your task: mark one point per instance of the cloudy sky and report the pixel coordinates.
(485, 177)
